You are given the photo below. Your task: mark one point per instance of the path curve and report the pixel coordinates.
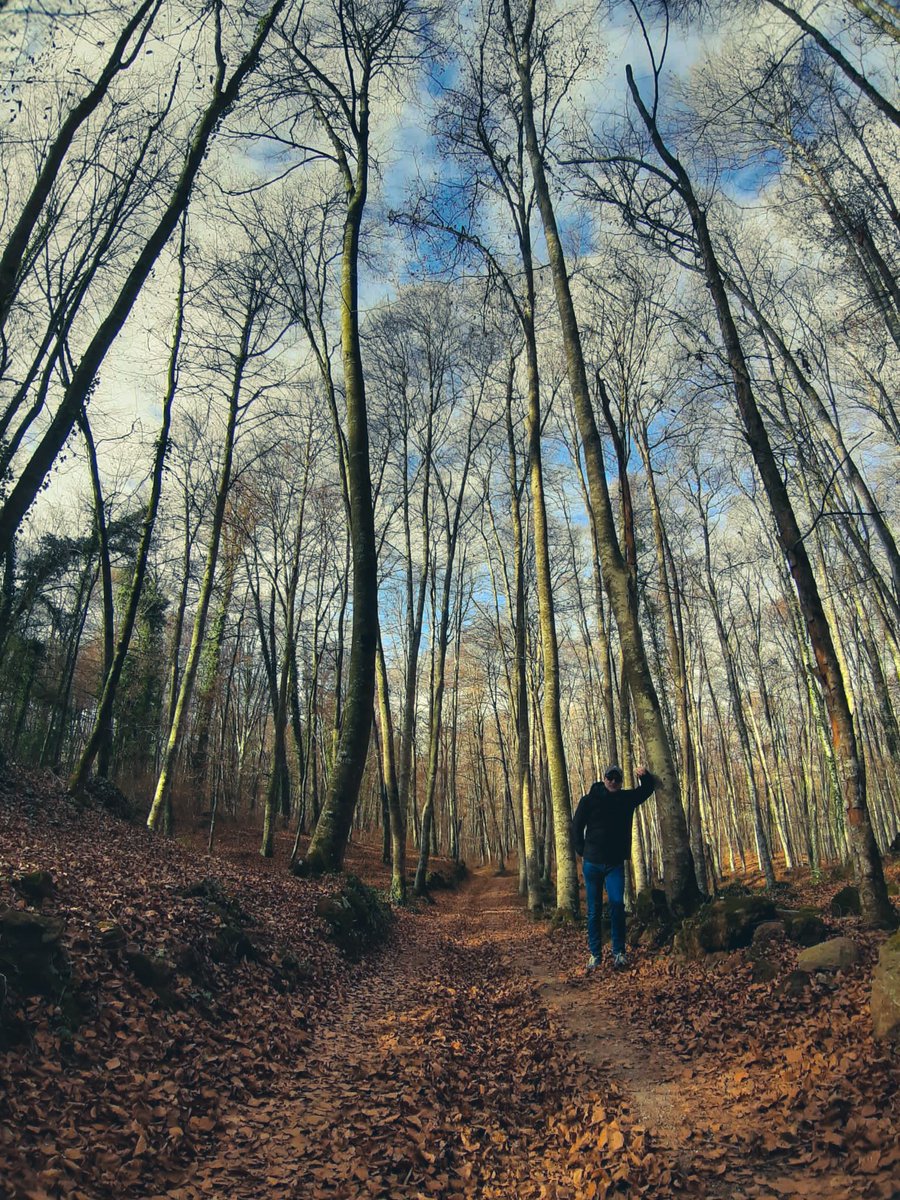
(464, 1062)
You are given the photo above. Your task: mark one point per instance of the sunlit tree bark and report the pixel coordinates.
(680, 879)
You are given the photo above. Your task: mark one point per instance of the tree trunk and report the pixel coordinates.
(326, 849)
(179, 720)
(680, 880)
(395, 811)
(103, 719)
(876, 905)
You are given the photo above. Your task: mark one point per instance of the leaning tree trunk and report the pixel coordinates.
(869, 872)
(179, 719)
(103, 719)
(681, 887)
(326, 848)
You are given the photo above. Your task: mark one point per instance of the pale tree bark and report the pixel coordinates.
(876, 905)
(279, 779)
(441, 638)
(520, 699)
(607, 688)
(566, 875)
(500, 145)
(734, 694)
(389, 768)
(680, 879)
(883, 15)
(179, 718)
(690, 784)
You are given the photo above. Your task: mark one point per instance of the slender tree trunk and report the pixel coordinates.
(441, 637)
(104, 747)
(389, 769)
(20, 497)
(681, 884)
(522, 703)
(677, 665)
(179, 720)
(867, 862)
(566, 874)
(103, 721)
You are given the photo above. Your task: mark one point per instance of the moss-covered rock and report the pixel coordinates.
(768, 932)
(650, 923)
(231, 944)
(32, 959)
(804, 925)
(290, 973)
(152, 970)
(764, 970)
(795, 983)
(724, 924)
(357, 918)
(214, 897)
(845, 903)
(451, 878)
(35, 886)
(112, 935)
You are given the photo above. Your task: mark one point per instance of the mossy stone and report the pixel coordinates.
(804, 925)
(846, 903)
(724, 924)
(35, 886)
(31, 956)
(357, 918)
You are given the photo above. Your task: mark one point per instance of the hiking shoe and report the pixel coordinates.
(620, 962)
(593, 963)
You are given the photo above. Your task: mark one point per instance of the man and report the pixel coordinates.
(601, 834)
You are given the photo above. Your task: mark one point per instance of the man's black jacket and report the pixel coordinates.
(601, 827)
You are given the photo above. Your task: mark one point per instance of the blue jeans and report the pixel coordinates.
(596, 875)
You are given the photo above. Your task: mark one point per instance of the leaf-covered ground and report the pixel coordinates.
(468, 1058)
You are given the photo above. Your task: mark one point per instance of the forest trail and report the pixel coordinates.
(646, 1071)
(650, 1079)
(472, 1059)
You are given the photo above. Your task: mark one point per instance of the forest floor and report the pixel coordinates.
(470, 1057)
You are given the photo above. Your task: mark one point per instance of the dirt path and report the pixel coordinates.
(597, 1034)
(647, 1075)
(465, 1062)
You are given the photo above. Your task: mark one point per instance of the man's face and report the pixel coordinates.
(613, 782)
